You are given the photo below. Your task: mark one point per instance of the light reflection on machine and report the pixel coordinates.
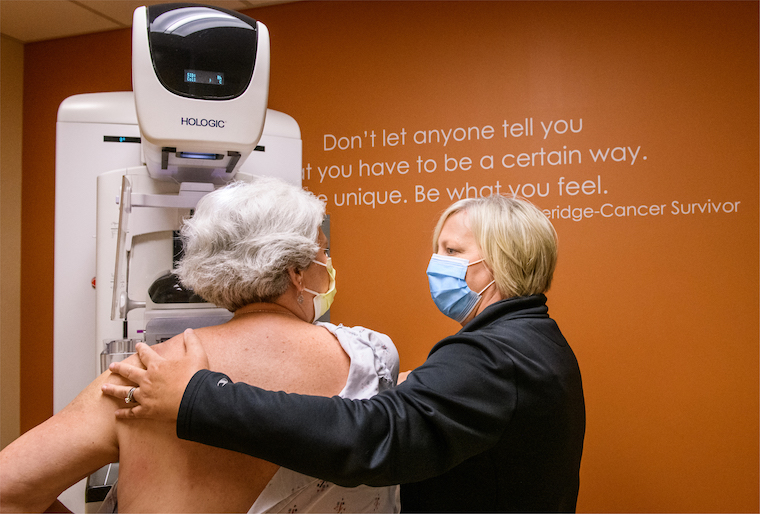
(133, 165)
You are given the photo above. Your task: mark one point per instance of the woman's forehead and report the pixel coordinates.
(457, 223)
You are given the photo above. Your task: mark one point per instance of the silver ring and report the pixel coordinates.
(129, 397)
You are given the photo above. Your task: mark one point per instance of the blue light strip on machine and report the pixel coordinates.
(120, 139)
(194, 155)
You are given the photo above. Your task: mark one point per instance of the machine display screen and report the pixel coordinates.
(190, 48)
(204, 77)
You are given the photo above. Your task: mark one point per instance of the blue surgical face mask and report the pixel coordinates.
(450, 292)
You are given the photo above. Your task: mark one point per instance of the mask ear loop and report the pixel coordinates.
(480, 298)
(327, 265)
(489, 285)
(480, 294)
(482, 259)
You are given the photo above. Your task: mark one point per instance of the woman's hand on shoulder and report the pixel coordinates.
(159, 383)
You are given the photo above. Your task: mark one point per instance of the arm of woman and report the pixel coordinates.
(454, 406)
(45, 461)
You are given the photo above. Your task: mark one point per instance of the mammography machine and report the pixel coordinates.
(130, 166)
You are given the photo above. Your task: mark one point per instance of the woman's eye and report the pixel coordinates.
(327, 252)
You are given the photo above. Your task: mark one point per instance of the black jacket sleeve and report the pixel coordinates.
(454, 406)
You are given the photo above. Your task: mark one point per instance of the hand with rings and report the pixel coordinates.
(156, 391)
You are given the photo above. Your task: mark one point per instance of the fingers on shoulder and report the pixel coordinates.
(117, 391)
(116, 376)
(128, 413)
(148, 353)
(193, 343)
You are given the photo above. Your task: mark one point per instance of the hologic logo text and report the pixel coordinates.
(195, 122)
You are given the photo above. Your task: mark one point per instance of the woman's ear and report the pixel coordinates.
(296, 278)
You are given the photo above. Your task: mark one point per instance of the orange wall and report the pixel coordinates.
(662, 310)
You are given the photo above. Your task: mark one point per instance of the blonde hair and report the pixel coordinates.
(517, 242)
(243, 238)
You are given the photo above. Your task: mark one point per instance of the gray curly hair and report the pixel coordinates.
(243, 239)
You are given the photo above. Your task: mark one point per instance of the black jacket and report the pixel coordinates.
(493, 420)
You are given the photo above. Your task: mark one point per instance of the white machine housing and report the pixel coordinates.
(130, 167)
(201, 81)
(97, 144)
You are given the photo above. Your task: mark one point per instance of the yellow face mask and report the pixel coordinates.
(322, 301)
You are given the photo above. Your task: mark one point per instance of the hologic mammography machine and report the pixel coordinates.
(130, 166)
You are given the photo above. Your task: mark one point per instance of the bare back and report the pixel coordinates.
(160, 473)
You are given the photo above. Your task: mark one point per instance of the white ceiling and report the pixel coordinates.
(37, 20)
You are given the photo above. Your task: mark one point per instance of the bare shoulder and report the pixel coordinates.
(273, 352)
(174, 347)
(277, 352)
(314, 341)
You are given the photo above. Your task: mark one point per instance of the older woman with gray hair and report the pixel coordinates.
(251, 243)
(493, 421)
(256, 249)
